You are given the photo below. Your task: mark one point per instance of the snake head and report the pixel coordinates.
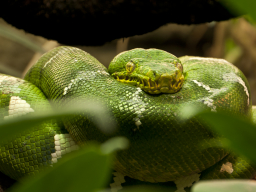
(154, 71)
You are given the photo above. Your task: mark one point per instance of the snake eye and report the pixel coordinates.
(130, 67)
(180, 67)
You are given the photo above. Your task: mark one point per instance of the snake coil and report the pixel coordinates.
(162, 147)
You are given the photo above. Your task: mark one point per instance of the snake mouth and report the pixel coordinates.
(164, 84)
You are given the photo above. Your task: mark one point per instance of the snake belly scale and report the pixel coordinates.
(162, 147)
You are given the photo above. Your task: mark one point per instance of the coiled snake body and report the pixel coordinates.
(146, 110)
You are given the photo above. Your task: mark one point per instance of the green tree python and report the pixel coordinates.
(145, 90)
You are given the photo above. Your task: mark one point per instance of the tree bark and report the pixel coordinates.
(94, 22)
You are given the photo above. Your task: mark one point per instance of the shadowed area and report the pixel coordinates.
(95, 22)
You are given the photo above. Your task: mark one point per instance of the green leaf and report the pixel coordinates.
(147, 189)
(239, 133)
(241, 7)
(142, 188)
(115, 144)
(232, 51)
(99, 113)
(188, 111)
(85, 170)
(225, 186)
(19, 38)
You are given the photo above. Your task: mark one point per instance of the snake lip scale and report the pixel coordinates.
(164, 84)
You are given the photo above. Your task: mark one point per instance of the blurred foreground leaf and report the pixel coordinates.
(188, 111)
(239, 133)
(101, 117)
(85, 170)
(225, 186)
(19, 38)
(232, 51)
(114, 144)
(147, 189)
(244, 7)
(142, 188)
